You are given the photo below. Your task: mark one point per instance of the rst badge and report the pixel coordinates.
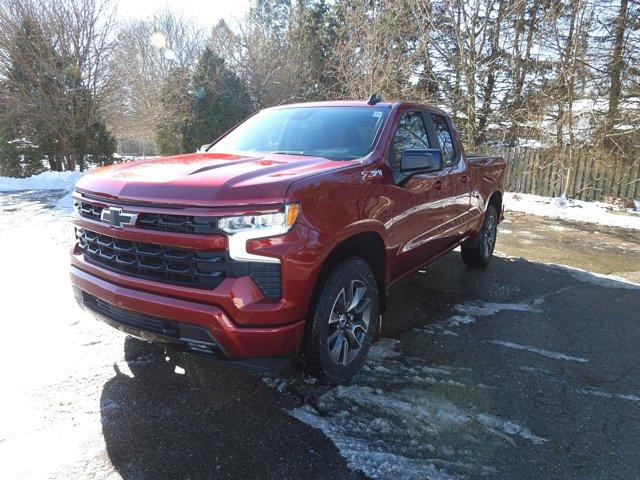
(115, 217)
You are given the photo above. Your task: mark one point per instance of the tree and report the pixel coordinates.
(278, 50)
(219, 100)
(10, 164)
(149, 52)
(174, 109)
(53, 62)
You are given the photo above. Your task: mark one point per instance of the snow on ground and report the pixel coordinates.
(490, 308)
(398, 419)
(573, 210)
(539, 351)
(601, 393)
(48, 403)
(45, 181)
(402, 418)
(42, 181)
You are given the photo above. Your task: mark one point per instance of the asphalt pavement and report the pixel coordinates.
(527, 369)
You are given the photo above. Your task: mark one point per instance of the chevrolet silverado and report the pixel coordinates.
(284, 235)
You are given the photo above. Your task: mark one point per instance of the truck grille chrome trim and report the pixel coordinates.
(163, 222)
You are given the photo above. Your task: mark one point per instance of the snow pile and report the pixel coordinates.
(573, 210)
(42, 181)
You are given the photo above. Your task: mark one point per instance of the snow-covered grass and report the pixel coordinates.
(42, 181)
(572, 210)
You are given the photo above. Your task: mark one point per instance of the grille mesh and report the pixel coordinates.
(178, 223)
(154, 262)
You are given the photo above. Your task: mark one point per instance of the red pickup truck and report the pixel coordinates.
(284, 235)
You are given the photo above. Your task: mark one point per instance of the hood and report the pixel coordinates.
(204, 179)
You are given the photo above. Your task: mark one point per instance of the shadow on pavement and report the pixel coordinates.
(211, 421)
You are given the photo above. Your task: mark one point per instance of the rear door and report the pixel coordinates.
(458, 178)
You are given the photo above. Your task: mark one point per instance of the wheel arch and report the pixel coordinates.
(495, 200)
(367, 245)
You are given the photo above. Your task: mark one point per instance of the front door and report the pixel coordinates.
(421, 234)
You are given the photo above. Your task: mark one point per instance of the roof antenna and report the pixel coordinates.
(373, 99)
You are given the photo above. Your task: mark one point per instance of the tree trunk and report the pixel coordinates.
(487, 94)
(521, 68)
(617, 65)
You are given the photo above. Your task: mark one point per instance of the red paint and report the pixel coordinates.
(418, 221)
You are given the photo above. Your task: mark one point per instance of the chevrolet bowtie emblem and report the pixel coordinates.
(117, 218)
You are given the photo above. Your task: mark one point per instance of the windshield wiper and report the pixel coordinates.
(287, 152)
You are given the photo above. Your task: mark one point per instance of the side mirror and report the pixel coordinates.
(414, 162)
(421, 161)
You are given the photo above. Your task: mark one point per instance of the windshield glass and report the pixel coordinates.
(338, 133)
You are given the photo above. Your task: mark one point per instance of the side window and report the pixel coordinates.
(444, 138)
(410, 134)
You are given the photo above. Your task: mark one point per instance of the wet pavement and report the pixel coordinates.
(524, 370)
(605, 250)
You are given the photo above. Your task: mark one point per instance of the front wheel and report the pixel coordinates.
(479, 251)
(342, 323)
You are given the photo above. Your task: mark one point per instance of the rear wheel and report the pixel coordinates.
(342, 323)
(479, 251)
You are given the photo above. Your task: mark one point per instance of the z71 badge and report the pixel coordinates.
(371, 174)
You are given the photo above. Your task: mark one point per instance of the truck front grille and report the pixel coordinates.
(162, 263)
(193, 224)
(88, 210)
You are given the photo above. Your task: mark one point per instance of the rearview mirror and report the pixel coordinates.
(420, 161)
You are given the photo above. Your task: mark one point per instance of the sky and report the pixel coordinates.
(204, 12)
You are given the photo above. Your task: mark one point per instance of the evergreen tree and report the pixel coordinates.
(101, 144)
(10, 165)
(174, 104)
(218, 101)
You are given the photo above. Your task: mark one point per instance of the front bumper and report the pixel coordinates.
(188, 325)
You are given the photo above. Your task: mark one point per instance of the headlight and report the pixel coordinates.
(268, 223)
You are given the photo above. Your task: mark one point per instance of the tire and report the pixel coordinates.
(478, 252)
(341, 324)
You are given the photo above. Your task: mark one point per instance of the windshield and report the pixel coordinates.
(337, 133)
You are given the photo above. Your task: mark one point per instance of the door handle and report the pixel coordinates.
(464, 179)
(438, 185)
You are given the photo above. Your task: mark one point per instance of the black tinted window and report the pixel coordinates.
(410, 135)
(444, 138)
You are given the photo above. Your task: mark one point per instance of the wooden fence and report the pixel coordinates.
(577, 174)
